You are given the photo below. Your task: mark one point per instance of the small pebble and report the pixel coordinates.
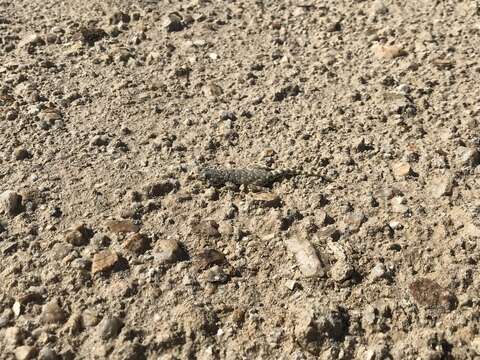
(306, 256)
(52, 313)
(468, 156)
(122, 226)
(207, 228)
(168, 251)
(161, 188)
(401, 170)
(109, 328)
(389, 52)
(100, 140)
(89, 319)
(10, 203)
(137, 243)
(78, 235)
(441, 186)
(104, 261)
(173, 22)
(378, 272)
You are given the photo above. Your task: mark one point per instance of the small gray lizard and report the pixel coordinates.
(218, 176)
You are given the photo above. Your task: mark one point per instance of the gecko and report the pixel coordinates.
(264, 177)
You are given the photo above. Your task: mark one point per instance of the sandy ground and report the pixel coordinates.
(113, 247)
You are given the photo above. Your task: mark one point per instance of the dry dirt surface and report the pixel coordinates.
(116, 243)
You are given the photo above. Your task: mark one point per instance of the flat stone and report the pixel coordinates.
(104, 261)
(17, 308)
(122, 226)
(306, 256)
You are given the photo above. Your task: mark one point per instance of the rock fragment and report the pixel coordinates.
(5, 318)
(306, 256)
(10, 203)
(25, 352)
(122, 226)
(266, 200)
(168, 251)
(99, 140)
(89, 35)
(468, 156)
(17, 308)
(78, 235)
(30, 42)
(109, 328)
(216, 275)
(401, 170)
(378, 272)
(286, 91)
(441, 186)
(13, 336)
(212, 90)
(342, 270)
(119, 17)
(389, 52)
(173, 22)
(104, 261)
(89, 319)
(207, 228)
(52, 313)
(161, 188)
(137, 243)
(399, 205)
(210, 257)
(47, 353)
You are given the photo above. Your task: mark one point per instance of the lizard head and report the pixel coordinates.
(210, 175)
